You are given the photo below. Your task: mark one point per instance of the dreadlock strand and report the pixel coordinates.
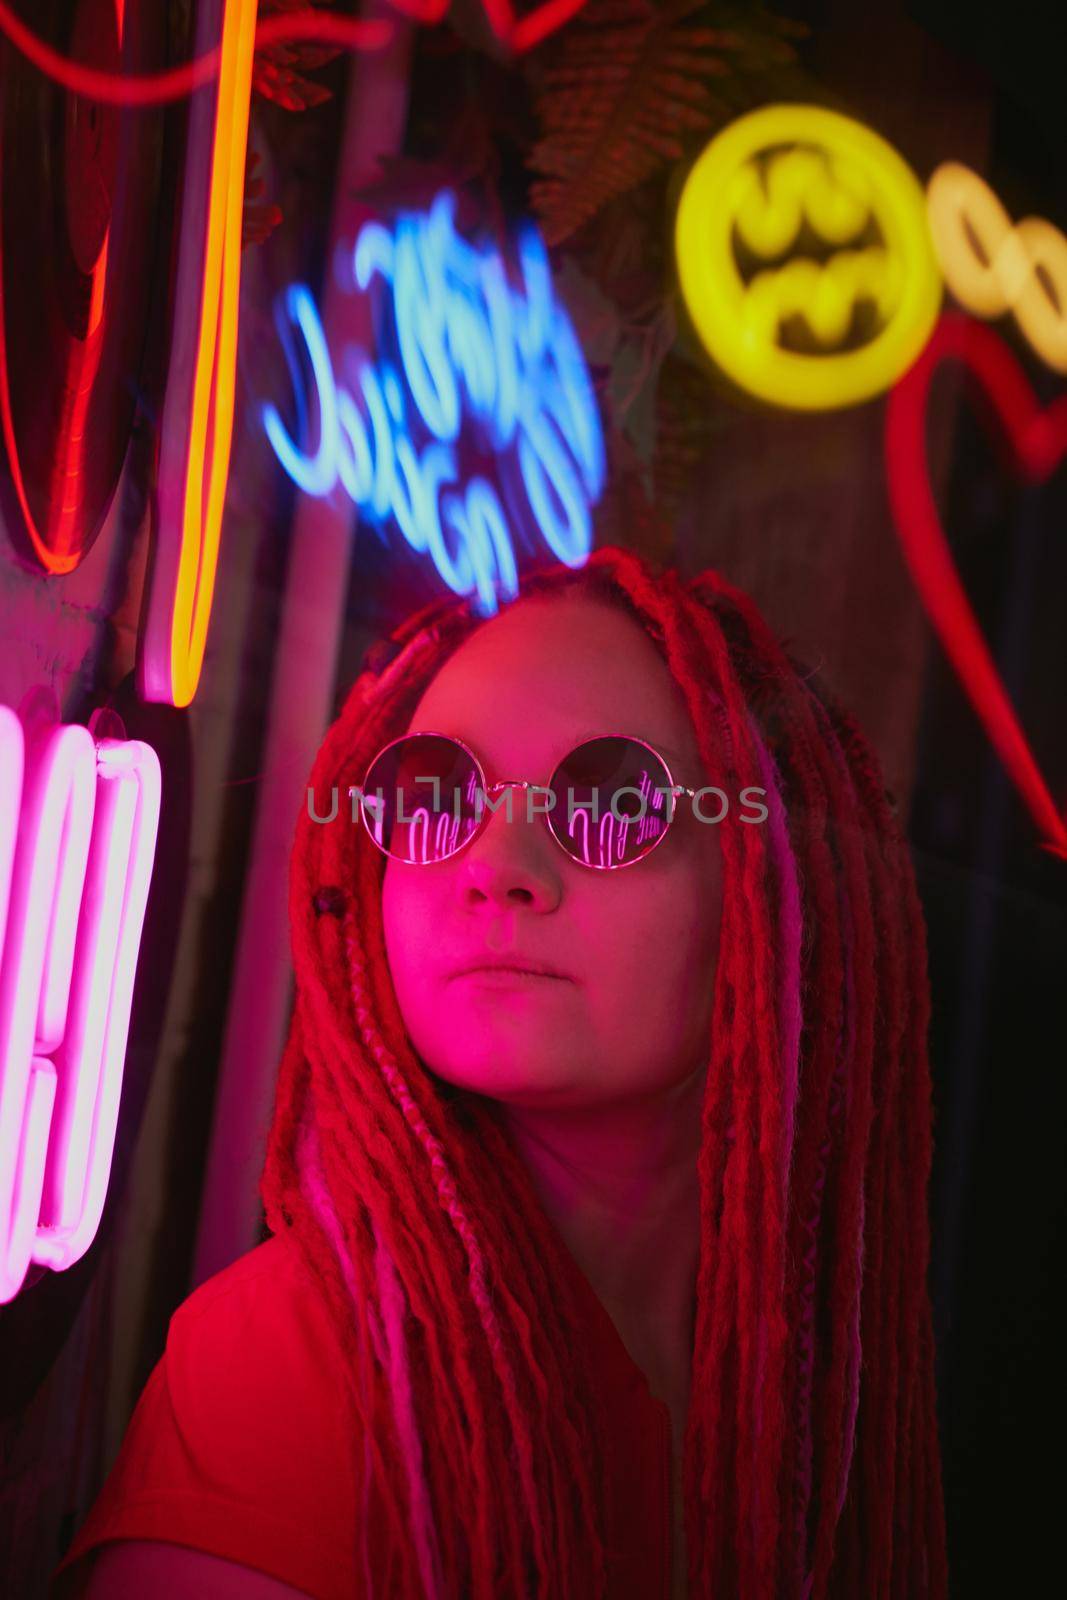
(889, 1173)
(811, 810)
(757, 1206)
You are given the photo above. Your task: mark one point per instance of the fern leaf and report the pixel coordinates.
(629, 87)
(260, 216)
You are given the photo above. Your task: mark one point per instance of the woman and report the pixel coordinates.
(678, 1175)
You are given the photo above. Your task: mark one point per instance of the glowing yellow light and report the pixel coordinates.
(994, 266)
(197, 424)
(213, 385)
(792, 221)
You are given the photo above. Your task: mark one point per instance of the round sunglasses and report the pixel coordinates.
(609, 802)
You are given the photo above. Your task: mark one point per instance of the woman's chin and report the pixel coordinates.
(501, 1076)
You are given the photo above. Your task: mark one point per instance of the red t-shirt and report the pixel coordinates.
(240, 1444)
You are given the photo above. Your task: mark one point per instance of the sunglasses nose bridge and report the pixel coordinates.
(491, 791)
(508, 783)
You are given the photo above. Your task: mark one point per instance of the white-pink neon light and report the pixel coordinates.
(78, 825)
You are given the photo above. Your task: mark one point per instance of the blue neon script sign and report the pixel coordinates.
(475, 427)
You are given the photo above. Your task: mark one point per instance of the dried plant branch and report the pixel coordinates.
(278, 71)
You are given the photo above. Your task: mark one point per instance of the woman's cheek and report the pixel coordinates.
(404, 924)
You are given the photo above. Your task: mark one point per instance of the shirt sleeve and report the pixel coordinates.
(242, 1443)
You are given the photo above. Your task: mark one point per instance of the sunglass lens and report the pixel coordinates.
(418, 798)
(611, 801)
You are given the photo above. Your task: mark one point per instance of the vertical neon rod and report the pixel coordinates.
(213, 384)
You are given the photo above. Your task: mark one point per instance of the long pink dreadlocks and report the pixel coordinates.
(811, 1464)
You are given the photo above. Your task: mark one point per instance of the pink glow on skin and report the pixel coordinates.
(78, 824)
(600, 1072)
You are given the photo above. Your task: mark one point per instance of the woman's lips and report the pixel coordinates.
(508, 977)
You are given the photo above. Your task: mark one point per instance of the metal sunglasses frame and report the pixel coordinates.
(494, 789)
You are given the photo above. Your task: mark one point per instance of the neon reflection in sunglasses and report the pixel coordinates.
(637, 817)
(631, 827)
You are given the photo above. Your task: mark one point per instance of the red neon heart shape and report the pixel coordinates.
(534, 26)
(1038, 440)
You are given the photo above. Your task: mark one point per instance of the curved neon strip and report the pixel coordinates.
(77, 843)
(12, 763)
(198, 412)
(17, 1238)
(315, 474)
(55, 550)
(159, 88)
(54, 560)
(535, 26)
(213, 385)
(91, 1058)
(49, 867)
(1038, 439)
(216, 360)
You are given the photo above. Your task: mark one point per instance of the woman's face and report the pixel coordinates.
(638, 944)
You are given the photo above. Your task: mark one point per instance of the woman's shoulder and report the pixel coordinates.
(260, 1330)
(274, 1268)
(242, 1443)
(266, 1297)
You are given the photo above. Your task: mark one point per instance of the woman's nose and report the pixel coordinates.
(511, 858)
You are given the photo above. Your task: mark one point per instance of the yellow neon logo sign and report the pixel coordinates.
(994, 266)
(805, 259)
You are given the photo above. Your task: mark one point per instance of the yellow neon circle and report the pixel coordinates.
(771, 176)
